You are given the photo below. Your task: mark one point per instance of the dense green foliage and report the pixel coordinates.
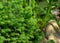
(51, 41)
(20, 20)
(17, 22)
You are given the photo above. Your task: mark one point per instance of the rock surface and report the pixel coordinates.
(52, 32)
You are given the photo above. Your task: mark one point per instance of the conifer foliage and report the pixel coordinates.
(17, 22)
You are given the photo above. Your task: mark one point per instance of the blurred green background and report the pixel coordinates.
(22, 21)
